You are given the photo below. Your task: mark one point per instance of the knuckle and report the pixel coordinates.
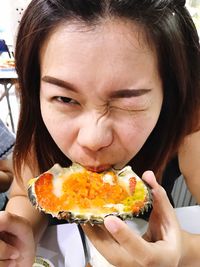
(5, 217)
(116, 261)
(162, 191)
(25, 222)
(174, 259)
(3, 250)
(149, 261)
(8, 263)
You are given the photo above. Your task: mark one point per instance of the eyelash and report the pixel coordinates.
(71, 102)
(130, 110)
(66, 100)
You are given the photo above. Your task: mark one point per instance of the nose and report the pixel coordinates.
(95, 134)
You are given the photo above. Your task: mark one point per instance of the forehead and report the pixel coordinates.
(108, 33)
(116, 50)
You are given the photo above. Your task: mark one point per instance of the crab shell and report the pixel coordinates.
(82, 196)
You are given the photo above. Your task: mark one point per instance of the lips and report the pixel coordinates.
(100, 168)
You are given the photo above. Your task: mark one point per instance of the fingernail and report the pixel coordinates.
(111, 225)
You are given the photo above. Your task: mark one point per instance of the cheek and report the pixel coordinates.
(61, 134)
(136, 131)
(58, 127)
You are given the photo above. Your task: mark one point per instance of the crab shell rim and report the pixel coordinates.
(81, 219)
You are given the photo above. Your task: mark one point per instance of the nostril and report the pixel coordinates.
(94, 139)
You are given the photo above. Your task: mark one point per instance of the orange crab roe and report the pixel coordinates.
(85, 190)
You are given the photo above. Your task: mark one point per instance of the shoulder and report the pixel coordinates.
(189, 162)
(189, 154)
(20, 185)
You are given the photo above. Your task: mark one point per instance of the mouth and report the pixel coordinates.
(100, 168)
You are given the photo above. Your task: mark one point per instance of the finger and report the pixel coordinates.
(18, 234)
(107, 246)
(161, 202)
(8, 252)
(140, 252)
(150, 179)
(130, 241)
(162, 208)
(97, 234)
(8, 263)
(12, 224)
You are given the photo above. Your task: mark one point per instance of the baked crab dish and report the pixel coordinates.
(79, 195)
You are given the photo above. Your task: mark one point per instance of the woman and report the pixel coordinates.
(106, 84)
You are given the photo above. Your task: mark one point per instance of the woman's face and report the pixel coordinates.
(101, 93)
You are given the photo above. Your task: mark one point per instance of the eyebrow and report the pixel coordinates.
(60, 83)
(127, 93)
(122, 93)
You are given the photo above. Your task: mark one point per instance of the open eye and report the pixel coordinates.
(66, 100)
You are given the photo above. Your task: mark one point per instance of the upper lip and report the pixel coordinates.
(100, 168)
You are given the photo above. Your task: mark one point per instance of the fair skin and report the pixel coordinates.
(17, 246)
(98, 118)
(190, 168)
(6, 174)
(103, 93)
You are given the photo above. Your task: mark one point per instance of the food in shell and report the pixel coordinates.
(79, 195)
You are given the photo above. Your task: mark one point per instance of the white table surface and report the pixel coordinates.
(62, 245)
(8, 73)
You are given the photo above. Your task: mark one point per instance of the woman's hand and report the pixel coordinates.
(160, 246)
(17, 246)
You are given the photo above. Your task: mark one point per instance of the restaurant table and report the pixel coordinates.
(62, 244)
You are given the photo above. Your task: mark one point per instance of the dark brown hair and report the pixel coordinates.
(167, 25)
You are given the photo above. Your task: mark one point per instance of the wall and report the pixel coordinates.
(10, 15)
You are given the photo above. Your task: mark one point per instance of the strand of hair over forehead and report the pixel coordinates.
(171, 3)
(92, 9)
(176, 2)
(180, 3)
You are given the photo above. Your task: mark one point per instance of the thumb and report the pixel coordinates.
(8, 252)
